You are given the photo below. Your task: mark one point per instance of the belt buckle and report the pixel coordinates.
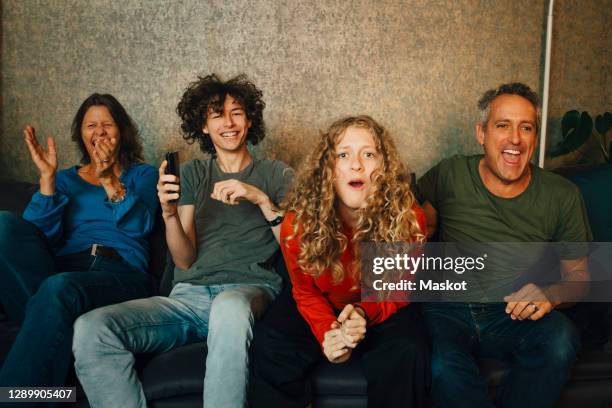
(94, 249)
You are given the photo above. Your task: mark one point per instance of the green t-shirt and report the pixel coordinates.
(234, 242)
(551, 209)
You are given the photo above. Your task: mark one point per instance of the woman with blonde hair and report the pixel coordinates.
(353, 188)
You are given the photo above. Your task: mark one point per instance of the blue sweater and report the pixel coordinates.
(79, 214)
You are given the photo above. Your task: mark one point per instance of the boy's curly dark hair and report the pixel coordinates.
(208, 93)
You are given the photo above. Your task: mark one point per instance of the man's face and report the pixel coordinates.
(356, 158)
(509, 140)
(228, 128)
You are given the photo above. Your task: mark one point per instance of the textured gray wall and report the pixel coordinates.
(416, 66)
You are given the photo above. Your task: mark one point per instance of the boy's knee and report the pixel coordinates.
(231, 307)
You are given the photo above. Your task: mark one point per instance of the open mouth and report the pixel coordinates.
(229, 134)
(356, 184)
(511, 156)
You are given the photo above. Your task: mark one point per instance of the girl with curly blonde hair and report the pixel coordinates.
(353, 188)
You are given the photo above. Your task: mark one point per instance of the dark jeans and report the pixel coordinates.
(394, 359)
(45, 294)
(540, 354)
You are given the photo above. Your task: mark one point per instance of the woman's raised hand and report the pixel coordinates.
(105, 156)
(45, 160)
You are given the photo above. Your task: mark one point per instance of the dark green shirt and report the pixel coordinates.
(551, 209)
(234, 242)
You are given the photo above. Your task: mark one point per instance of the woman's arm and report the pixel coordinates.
(46, 208)
(378, 312)
(134, 208)
(313, 306)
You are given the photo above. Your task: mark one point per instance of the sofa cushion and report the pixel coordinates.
(16, 195)
(177, 372)
(594, 184)
(340, 379)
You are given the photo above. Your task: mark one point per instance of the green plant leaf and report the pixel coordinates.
(585, 127)
(603, 123)
(570, 120)
(578, 136)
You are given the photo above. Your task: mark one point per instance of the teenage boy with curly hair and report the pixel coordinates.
(222, 228)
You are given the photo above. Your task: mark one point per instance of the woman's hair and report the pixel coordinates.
(208, 93)
(130, 145)
(386, 217)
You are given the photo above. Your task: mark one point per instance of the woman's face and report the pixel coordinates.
(356, 158)
(98, 124)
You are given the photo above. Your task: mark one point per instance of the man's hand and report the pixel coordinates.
(353, 325)
(530, 302)
(333, 346)
(232, 191)
(168, 190)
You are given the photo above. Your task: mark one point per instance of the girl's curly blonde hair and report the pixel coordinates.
(386, 217)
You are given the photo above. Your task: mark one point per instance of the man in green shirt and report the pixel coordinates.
(495, 197)
(222, 230)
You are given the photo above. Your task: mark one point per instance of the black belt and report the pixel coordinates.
(105, 251)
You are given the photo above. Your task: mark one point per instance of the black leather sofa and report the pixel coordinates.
(175, 379)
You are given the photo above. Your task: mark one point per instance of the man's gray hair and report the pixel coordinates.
(515, 88)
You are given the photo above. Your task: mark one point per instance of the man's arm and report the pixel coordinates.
(532, 302)
(575, 281)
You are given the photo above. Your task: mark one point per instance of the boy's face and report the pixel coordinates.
(228, 128)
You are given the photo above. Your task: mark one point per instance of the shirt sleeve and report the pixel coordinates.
(47, 212)
(135, 214)
(378, 312)
(573, 226)
(427, 187)
(311, 303)
(188, 181)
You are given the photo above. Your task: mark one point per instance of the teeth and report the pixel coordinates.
(229, 134)
(512, 151)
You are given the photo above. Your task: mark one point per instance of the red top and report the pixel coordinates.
(318, 300)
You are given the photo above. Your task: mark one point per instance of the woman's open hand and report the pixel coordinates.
(44, 159)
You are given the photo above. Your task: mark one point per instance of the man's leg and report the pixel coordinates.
(106, 339)
(230, 330)
(541, 354)
(283, 351)
(25, 262)
(41, 354)
(456, 380)
(395, 361)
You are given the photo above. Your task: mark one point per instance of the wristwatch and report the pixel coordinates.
(276, 221)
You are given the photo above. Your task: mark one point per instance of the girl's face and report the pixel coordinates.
(356, 158)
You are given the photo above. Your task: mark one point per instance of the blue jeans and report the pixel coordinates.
(45, 294)
(540, 354)
(105, 340)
